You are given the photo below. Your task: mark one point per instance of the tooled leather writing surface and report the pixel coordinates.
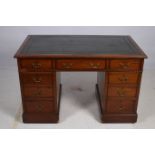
(79, 45)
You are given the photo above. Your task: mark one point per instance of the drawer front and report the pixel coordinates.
(74, 64)
(36, 65)
(123, 77)
(125, 64)
(120, 106)
(39, 106)
(38, 92)
(37, 79)
(122, 91)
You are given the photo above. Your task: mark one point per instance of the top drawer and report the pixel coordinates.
(36, 65)
(127, 64)
(80, 64)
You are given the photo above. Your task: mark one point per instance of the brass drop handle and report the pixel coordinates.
(37, 93)
(121, 92)
(121, 108)
(36, 65)
(67, 65)
(39, 107)
(123, 79)
(93, 65)
(124, 65)
(36, 80)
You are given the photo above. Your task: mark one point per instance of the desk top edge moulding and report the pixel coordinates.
(96, 46)
(117, 59)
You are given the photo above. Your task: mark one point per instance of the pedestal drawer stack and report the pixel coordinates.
(38, 90)
(123, 81)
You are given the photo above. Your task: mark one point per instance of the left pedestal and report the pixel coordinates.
(40, 90)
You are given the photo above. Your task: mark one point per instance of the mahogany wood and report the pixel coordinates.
(36, 65)
(118, 61)
(80, 64)
(37, 79)
(123, 77)
(39, 106)
(120, 106)
(125, 65)
(121, 91)
(38, 91)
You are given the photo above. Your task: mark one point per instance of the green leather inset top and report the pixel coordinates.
(83, 45)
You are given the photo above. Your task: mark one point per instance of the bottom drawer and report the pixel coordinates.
(120, 106)
(39, 106)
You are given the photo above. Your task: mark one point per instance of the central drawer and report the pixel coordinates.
(80, 64)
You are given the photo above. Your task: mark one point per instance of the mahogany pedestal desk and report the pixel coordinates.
(118, 61)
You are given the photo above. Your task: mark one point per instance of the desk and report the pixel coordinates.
(118, 61)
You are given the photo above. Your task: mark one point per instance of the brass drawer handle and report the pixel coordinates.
(121, 108)
(67, 65)
(93, 65)
(39, 107)
(121, 92)
(124, 65)
(38, 93)
(123, 79)
(36, 80)
(36, 65)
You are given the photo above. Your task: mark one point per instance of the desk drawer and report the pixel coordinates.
(123, 77)
(36, 65)
(120, 106)
(38, 92)
(32, 79)
(80, 64)
(40, 106)
(122, 91)
(128, 64)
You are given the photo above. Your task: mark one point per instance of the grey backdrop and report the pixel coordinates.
(78, 102)
(12, 37)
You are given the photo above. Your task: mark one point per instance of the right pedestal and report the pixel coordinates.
(118, 90)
